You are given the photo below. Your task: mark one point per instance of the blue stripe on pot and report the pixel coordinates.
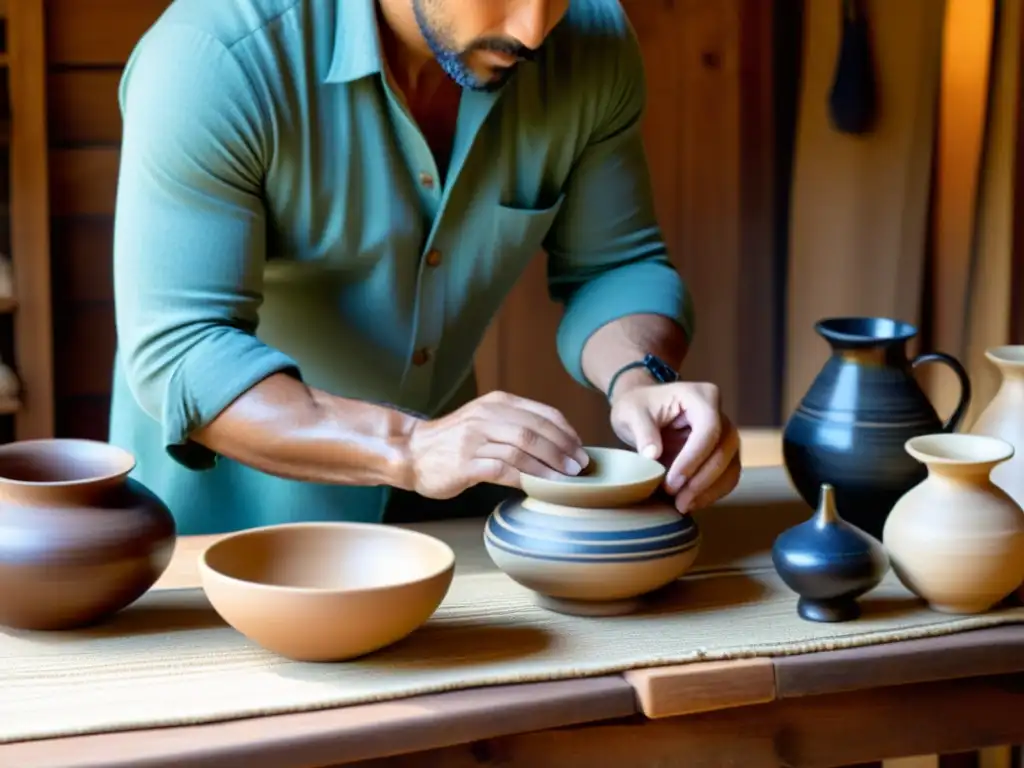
(626, 544)
(591, 560)
(515, 516)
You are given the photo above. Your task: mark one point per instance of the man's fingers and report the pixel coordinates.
(524, 445)
(518, 426)
(706, 431)
(546, 412)
(721, 487)
(493, 471)
(717, 463)
(642, 428)
(505, 464)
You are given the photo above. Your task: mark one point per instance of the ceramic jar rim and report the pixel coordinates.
(116, 462)
(637, 473)
(642, 469)
(958, 449)
(865, 329)
(270, 530)
(1009, 355)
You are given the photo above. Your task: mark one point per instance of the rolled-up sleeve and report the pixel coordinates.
(606, 255)
(189, 234)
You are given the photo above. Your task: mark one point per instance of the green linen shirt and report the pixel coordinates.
(279, 210)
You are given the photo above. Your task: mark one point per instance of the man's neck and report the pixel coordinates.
(409, 60)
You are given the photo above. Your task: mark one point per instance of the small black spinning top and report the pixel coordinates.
(829, 563)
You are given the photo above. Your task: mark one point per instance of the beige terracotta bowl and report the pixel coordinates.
(614, 478)
(326, 591)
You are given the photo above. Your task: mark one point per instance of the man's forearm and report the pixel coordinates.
(627, 340)
(285, 428)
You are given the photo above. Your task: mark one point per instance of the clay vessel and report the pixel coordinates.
(1003, 417)
(850, 427)
(79, 539)
(829, 563)
(322, 592)
(600, 554)
(957, 539)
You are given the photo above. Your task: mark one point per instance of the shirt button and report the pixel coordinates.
(420, 356)
(427, 180)
(433, 258)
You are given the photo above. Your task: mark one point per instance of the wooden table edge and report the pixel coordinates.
(985, 652)
(344, 734)
(347, 734)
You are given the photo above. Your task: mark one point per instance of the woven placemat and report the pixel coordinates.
(169, 660)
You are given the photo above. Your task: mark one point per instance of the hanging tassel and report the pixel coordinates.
(852, 101)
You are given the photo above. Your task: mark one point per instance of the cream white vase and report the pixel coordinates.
(957, 539)
(1003, 417)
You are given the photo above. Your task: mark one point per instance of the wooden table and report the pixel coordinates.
(923, 697)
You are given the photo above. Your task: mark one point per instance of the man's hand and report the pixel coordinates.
(681, 425)
(492, 439)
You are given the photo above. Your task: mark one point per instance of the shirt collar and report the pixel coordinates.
(357, 51)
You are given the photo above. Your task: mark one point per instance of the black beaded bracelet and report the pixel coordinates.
(630, 367)
(660, 371)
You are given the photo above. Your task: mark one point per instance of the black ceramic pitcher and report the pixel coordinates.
(864, 404)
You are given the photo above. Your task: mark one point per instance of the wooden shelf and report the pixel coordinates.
(8, 305)
(9, 406)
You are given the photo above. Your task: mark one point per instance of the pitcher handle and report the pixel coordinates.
(965, 385)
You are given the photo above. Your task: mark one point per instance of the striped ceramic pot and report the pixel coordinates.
(591, 562)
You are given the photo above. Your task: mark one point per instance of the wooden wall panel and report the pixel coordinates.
(88, 43)
(29, 226)
(84, 333)
(82, 259)
(766, 79)
(6, 320)
(97, 32)
(708, 206)
(84, 350)
(83, 106)
(83, 181)
(85, 128)
(1016, 318)
(85, 417)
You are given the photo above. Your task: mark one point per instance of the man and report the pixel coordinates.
(321, 205)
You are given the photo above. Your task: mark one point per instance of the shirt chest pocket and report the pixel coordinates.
(520, 232)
